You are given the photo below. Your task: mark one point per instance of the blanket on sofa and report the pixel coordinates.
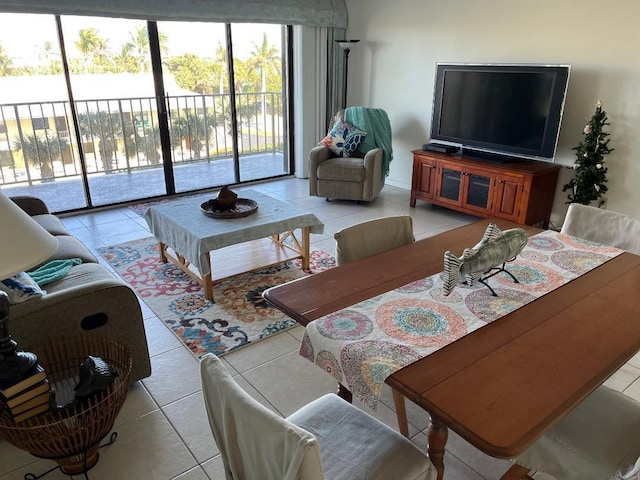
(53, 271)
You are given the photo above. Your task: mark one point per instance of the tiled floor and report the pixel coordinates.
(163, 431)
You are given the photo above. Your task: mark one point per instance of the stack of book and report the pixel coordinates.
(27, 397)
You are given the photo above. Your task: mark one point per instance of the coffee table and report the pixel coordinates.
(210, 249)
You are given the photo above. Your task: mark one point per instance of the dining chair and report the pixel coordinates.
(603, 226)
(368, 238)
(599, 439)
(328, 438)
(373, 236)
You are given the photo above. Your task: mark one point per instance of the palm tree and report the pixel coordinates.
(6, 63)
(91, 45)
(107, 128)
(264, 58)
(145, 139)
(192, 128)
(126, 61)
(220, 57)
(140, 45)
(41, 151)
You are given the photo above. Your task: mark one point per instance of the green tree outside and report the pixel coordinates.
(41, 151)
(6, 63)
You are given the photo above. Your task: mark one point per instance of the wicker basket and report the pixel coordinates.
(72, 438)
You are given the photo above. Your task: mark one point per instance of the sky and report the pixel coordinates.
(23, 35)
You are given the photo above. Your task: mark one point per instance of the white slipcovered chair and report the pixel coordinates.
(600, 438)
(373, 236)
(603, 226)
(368, 238)
(597, 440)
(328, 438)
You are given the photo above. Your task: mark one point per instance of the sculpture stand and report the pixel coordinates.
(497, 271)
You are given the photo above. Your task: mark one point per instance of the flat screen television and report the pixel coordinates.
(499, 111)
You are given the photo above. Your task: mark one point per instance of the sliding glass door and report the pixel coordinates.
(199, 104)
(38, 150)
(260, 103)
(113, 92)
(80, 99)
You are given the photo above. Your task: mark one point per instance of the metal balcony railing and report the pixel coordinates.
(38, 141)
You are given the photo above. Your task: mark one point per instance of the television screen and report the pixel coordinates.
(511, 110)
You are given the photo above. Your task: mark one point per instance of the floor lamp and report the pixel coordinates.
(346, 48)
(25, 244)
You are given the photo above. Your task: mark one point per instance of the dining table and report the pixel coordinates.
(505, 383)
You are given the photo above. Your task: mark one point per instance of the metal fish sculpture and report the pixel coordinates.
(495, 248)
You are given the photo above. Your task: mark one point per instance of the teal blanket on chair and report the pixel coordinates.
(376, 123)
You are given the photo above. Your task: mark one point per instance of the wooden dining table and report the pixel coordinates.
(503, 385)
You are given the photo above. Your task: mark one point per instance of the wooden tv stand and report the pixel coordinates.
(519, 190)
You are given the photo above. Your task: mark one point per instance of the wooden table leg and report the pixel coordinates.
(306, 240)
(163, 252)
(207, 281)
(401, 413)
(345, 393)
(437, 434)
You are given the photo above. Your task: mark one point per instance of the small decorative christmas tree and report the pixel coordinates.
(591, 173)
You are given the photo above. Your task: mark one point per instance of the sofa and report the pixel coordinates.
(88, 299)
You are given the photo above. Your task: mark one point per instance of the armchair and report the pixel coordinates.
(358, 177)
(352, 161)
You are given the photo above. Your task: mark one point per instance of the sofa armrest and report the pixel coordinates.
(31, 205)
(89, 300)
(317, 155)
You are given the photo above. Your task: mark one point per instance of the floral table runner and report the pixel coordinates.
(363, 344)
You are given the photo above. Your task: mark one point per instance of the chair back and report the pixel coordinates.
(254, 441)
(371, 237)
(603, 226)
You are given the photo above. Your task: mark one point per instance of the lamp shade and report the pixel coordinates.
(346, 44)
(23, 243)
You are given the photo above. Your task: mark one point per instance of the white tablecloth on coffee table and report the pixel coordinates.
(182, 226)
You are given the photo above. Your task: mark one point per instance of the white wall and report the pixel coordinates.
(400, 42)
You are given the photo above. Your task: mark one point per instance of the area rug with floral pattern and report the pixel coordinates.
(237, 316)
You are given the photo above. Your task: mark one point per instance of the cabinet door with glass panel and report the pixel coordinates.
(476, 190)
(464, 186)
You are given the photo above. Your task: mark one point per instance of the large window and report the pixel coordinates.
(157, 108)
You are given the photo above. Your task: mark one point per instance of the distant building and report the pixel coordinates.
(42, 101)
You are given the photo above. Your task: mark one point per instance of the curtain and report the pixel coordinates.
(317, 87)
(326, 13)
(335, 68)
(310, 92)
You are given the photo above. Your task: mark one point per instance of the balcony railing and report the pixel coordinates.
(38, 141)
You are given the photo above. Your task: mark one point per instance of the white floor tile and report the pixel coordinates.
(147, 447)
(290, 382)
(175, 375)
(189, 418)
